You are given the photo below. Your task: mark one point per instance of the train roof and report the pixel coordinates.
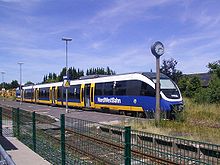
(151, 75)
(102, 78)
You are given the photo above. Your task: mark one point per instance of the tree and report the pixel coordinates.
(50, 76)
(214, 85)
(215, 68)
(74, 73)
(28, 83)
(54, 76)
(182, 83)
(62, 73)
(168, 68)
(193, 86)
(100, 71)
(214, 90)
(212, 93)
(14, 84)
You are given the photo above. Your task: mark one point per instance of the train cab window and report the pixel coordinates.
(28, 94)
(147, 90)
(99, 89)
(120, 88)
(18, 93)
(108, 88)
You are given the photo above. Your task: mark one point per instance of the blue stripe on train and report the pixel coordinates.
(44, 98)
(146, 102)
(69, 100)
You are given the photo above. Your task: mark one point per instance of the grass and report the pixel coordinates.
(198, 122)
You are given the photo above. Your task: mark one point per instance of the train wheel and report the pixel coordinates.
(127, 113)
(149, 114)
(122, 112)
(140, 115)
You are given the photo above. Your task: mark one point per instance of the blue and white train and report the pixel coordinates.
(132, 93)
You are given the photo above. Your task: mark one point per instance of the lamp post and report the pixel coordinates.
(66, 41)
(3, 85)
(157, 50)
(20, 63)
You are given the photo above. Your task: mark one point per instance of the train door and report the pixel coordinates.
(82, 95)
(53, 95)
(87, 95)
(92, 101)
(56, 94)
(36, 91)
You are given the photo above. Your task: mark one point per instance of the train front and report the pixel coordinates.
(171, 99)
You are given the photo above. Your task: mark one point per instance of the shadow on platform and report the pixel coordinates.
(6, 144)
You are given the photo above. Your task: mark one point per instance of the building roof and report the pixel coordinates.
(204, 77)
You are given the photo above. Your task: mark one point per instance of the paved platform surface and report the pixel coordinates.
(21, 154)
(55, 112)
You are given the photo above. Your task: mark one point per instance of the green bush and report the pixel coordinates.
(214, 90)
(201, 96)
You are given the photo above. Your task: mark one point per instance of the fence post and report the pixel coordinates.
(18, 122)
(14, 121)
(0, 121)
(127, 151)
(62, 133)
(34, 131)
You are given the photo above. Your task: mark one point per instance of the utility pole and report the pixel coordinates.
(66, 41)
(20, 63)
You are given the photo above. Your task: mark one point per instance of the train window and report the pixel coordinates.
(77, 92)
(59, 92)
(28, 94)
(44, 93)
(120, 88)
(74, 92)
(108, 88)
(99, 89)
(64, 93)
(133, 87)
(70, 92)
(147, 90)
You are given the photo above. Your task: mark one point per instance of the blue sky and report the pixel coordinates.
(114, 33)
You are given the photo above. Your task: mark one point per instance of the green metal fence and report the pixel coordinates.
(6, 122)
(75, 141)
(118, 145)
(38, 132)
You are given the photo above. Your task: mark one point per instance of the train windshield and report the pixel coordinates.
(166, 84)
(168, 88)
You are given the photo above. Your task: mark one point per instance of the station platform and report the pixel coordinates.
(20, 153)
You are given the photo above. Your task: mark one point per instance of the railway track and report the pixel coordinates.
(113, 150)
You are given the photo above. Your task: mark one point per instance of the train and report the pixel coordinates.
(129, 94)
